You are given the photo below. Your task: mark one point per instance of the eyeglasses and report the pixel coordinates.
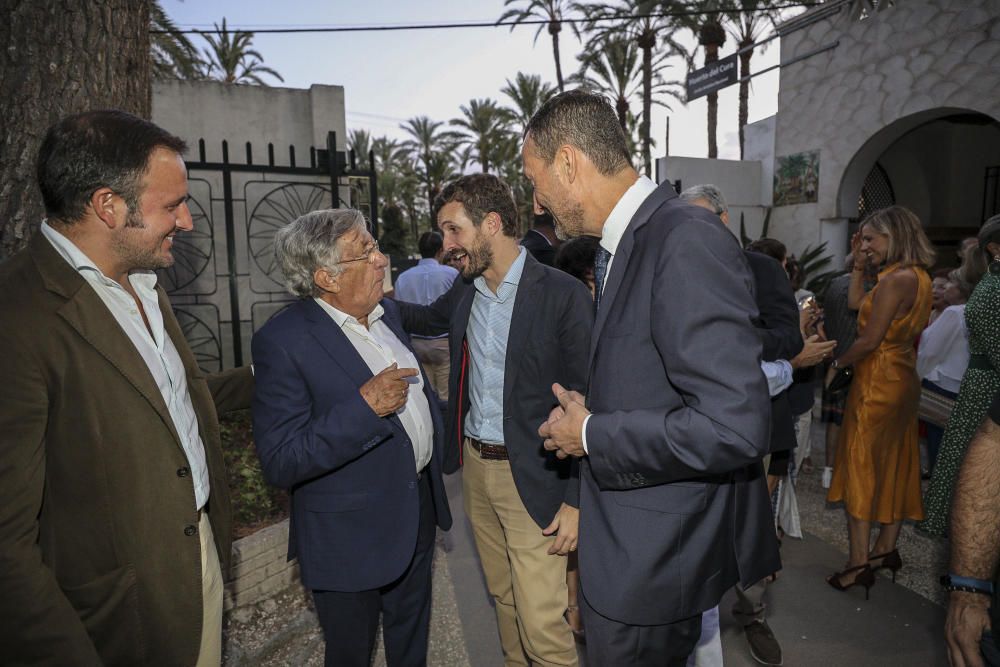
(369, 255)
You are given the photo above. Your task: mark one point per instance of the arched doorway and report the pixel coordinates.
(944, 164)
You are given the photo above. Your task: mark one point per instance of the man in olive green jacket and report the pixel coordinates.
(112, 481)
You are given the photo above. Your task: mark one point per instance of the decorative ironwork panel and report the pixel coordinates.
(193, 271)
(877, 192)
(200, 324)
(275, 207)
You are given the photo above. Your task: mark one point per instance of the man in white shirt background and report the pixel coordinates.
(423, 284)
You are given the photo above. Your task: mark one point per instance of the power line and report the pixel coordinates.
(475, 24)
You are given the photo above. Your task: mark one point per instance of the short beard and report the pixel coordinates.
(569, 225)
(132, 255)
(478, 259)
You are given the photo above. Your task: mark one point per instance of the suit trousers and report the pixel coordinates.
(528, 585)
(610, 642)
(210, 653)
(349, 620)
(435, 357)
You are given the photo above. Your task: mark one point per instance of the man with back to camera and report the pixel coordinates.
(516, 326)
(677, 408)
(115, 522)
(422, 284)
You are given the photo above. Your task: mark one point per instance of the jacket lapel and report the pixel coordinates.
(663, 193)
(90, 317)
(526, 304)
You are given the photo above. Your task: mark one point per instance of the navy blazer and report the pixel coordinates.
(673, 508)
(352, 474)
(778, 327)
(548, 342)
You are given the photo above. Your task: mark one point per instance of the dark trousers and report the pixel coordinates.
(611, 642)
(350, 620)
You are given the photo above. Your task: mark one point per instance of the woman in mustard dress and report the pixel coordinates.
(877, 471)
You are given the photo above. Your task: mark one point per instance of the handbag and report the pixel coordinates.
(841, 380)
(934, 408)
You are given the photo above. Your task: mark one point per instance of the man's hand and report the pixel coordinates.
(563, 431)
(386, 392)
(967, 619)
(565, 526)
(813, 352)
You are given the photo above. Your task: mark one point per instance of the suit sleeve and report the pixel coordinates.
(779, 314)
(433, 319)
(293, 443)
(702, 314)
(232, 390)
(575, 324)
(39, 626)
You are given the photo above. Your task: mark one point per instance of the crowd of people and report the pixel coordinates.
(627, 392)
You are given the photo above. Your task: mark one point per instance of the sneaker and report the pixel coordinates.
(827, 477)
(764, 647)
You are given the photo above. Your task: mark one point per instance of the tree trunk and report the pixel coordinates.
(744, 112)
(711, 56)
(61, 57)
(621, 107)
(554, 28)
(647, 102)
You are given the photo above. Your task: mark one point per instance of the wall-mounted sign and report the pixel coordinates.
(711, 78)
(796, 178)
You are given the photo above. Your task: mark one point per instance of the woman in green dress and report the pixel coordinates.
(979, 385)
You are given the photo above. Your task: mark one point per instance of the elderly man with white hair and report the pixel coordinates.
(342, 420)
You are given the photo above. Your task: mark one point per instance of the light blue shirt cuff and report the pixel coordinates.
(778, 374)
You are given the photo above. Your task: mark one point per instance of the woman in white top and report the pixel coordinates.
(943, 354)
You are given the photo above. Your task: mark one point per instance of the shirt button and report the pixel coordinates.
(190, 530)
(183, 472)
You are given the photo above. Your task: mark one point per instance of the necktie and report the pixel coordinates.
(600, 271)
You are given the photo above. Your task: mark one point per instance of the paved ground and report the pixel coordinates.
(817, 626)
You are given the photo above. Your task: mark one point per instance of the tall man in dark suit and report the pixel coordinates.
(342, 419)
(516, 327)
(115, 523)
(672, 514)
(541, 240)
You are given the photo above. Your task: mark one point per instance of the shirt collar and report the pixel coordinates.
(426, 261)
(624, 211)
(78, 260)
(342, 319)
(510, 281)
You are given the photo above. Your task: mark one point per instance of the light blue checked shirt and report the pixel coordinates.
(489, 327)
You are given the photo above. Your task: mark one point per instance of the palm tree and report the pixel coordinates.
(711, 34)
(231, 59)
(551, 11)
(483, 125)
(614, 71)
(431, 149)
(172, 53)
(359, 141)
(746, 25)
(643, 22)
(528, 94)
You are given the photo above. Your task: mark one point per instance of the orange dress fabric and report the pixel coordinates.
(877, 469)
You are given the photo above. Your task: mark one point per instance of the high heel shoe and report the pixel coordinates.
(864, 577)
(889, 560)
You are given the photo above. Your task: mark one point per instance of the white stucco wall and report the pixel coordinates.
(906, 65)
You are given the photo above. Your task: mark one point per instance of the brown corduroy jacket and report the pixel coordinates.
(99, 552)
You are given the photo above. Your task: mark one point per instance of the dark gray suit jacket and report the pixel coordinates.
(548, 342)
(672, 513)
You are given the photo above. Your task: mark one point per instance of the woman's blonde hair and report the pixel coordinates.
(908, 244)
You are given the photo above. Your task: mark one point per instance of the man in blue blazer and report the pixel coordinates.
(343, 420)
(671, 512)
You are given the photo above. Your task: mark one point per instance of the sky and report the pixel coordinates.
(391, 76)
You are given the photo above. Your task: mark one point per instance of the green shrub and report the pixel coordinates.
(255, 503)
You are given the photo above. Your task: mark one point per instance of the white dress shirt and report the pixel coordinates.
(612, 232)
(153, 345)
(379, 347)
(943, 353)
